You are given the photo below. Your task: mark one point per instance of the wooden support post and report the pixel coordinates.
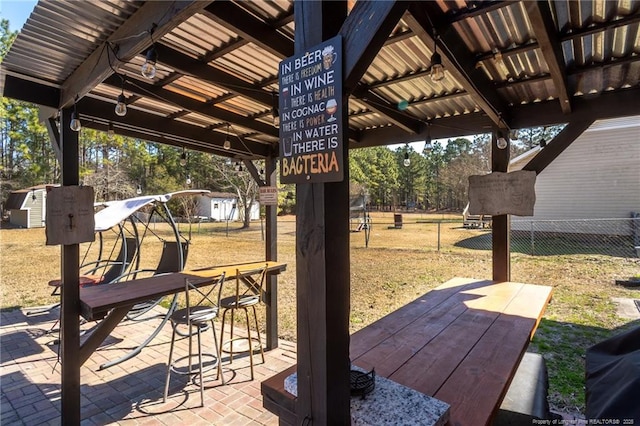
(70, 308)
(501, 225)
(322, 261)
(271, 253)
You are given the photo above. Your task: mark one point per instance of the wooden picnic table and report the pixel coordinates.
(460, 343)
(111, 302)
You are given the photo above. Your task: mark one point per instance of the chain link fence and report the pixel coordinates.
(611, 237)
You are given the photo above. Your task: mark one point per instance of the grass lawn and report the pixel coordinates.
(398, 266)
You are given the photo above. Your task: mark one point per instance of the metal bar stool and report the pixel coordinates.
(247, 296)
(197, 317)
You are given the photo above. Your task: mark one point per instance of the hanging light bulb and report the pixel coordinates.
(188, 179)
(437, 69)
(121, 106)
(502, 142)
(74, 124)
(148, 69)
(139, 190)
(428, 146)
(183, 157)
(227, 142)
(110, 132)
(407, 160)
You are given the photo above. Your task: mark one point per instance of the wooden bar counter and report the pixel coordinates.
(460, 343)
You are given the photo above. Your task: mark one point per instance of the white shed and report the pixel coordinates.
(596, 177)
(223, 206)
(27, 207)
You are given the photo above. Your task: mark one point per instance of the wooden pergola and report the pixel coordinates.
(508, 65)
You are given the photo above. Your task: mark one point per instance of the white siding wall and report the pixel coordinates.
(597, 176)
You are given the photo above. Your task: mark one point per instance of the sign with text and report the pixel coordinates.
(268, 195)
(311, 115)
(503, 193)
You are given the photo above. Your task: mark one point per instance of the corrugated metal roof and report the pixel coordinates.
(600, 47)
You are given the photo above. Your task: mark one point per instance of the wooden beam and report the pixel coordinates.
(322, 257)
(634, 18)
(29, 91)
(551, 47)
(457, 60)
(271, 253)
(554, 148)
(500, 225)
(144, 122)
(600, 106)
(250, 28)
(171, 140)
(190, 66)
(379, 104)
(192, 105)
(160, 15)
(70, 298)
(474, 10)
(441, 128)
(364, 32)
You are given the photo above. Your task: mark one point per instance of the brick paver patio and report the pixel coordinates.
(129, 393)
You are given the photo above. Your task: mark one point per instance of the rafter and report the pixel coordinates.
(190, 66)
(589, 107)
(586, 108)
(190, 104)
(364, 32)
(160, 15)
(158, 125)
(249, 28)
(457, 60)
(551, 47)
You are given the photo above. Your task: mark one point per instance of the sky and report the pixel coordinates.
(16, 12)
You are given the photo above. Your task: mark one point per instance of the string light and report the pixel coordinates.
(110, 132)
(502, 142)
(437, 70)
(407, 160)
(183, 157)
(75, 124)
(121, 106)
(149, 69)
(227, 142)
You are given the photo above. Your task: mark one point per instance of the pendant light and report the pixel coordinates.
(183, 157)
(227, 142)
(407, 160)
(75, 124)
(149, 69)
(110, 132)
(121, 106)
(437, 69)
